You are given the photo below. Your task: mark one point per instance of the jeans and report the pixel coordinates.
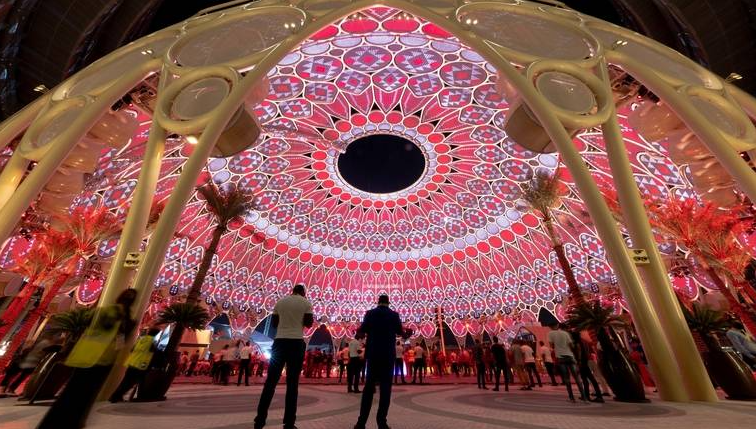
(132, 377)
(243, 368)
(566, 367)
(418, 369)
(502, 368)
(289, 353)
(531, 368)
(378, 371)
(481, 367)
(550, 370)
(353, 374)
(399, 369)
(587, 376)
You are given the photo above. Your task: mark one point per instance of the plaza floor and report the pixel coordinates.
(413, 407)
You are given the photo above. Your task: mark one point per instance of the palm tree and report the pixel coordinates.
(725, 366)
(620, 372)
(225, 205)
(72, 323)
(543, 194)
(81, 233)
(189, 316)
(710, 235)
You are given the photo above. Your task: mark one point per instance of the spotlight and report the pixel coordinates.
(192, 140)
(41, 88)
(618, 44)
(732, 77)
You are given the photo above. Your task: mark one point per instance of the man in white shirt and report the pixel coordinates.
(530, 365)
(399, 362)
(561, 342)
(544, 352)
(419, 367)
(245, 355)
(354, 367)
(290, 316)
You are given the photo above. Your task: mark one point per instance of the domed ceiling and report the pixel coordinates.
(458, 238)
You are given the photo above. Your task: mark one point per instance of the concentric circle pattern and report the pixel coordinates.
(460, 238)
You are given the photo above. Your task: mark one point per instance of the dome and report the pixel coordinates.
(281, 92)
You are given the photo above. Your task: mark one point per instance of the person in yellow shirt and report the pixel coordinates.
(137, 364)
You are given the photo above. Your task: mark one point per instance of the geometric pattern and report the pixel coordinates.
(460, 237)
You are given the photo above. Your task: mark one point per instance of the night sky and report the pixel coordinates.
(381, 163)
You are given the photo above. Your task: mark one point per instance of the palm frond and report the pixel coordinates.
(593, 316)
(226, 204)
(73, 322)
(542, 193)
(704, 319)
(189, 316)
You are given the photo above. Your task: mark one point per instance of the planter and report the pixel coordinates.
(620, 372)
(158, 380)
(728, 370)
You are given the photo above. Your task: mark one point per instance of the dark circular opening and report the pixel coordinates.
(381, 163)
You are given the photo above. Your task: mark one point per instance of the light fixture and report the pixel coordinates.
(41, 88)
(192, 139)
(732, 77)
(147, 51)
(618, 44)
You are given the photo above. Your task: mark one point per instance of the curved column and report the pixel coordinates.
(695, 120)
(13, 127)
(64, 144)
(119, 278)
(692, 370)
(660, 357)
(16, 124)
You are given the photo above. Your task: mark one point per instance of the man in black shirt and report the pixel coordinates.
(480, 364)
(381, 325)
(500, 362)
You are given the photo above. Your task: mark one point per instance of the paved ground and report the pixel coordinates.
(413, 407)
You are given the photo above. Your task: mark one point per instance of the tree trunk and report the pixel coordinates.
(17, 306)
(31, 319)
(196, 290)
(576, 295)
(735, 305)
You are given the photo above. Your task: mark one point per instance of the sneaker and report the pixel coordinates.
(598, 400)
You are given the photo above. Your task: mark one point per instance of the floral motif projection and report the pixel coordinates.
(459, 239)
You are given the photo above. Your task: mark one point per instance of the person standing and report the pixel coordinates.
(290, 316)
(137, 364)
(518, 360)
(419, 366)
(193, 363)
(530, 365)
(454, 361)
(381, 325)
(355, 366)
(480, 364)
(561, 342)
(92, 358)
(742, 342)
(245, 355)
(544, 352)
(224, 364)
(343, 361)
(582, 356)
(399, 362)
(500, 364)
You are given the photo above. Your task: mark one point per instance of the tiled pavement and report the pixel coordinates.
(413, 407)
